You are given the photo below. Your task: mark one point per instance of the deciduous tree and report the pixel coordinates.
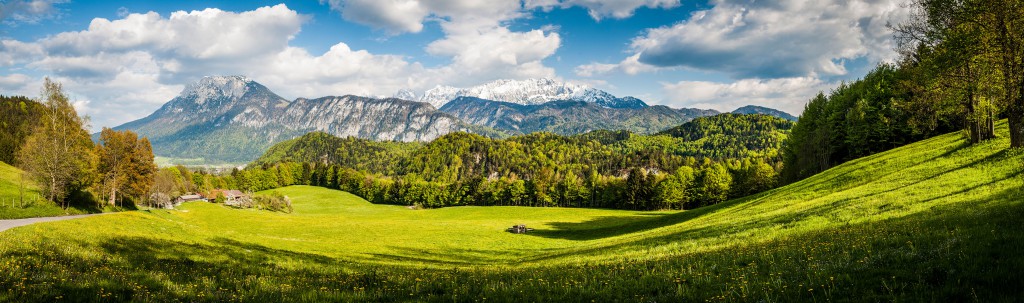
(59, 153)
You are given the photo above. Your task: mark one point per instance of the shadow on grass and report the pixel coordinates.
(963, 252)
(610, 226)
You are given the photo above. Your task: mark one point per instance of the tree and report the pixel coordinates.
(638, 189)
(964, 35)
(59, 152)
(944, 40)
(673, 192)
(125, 165)
(713, 183)
(1007, 18)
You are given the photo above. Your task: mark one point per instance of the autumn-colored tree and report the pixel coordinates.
(126, 165)
(59, 152)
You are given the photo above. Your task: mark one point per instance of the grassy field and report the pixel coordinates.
(938, 220)
(23, 200)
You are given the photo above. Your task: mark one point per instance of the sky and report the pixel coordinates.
(121, 60)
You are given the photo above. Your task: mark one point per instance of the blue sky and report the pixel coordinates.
(120, 60)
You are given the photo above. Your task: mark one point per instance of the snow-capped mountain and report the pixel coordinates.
(524, 92)
(235, 119)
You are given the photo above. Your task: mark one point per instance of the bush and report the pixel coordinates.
(272, 202)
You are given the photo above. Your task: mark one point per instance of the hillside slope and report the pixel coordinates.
(936, 220)
(21, 198)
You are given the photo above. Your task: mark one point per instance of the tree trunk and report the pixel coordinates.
(1016, 121)
(53, 189)
(113, 194)
(21, 189)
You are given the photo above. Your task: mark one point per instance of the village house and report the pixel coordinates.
(232, 197)
(184, 198)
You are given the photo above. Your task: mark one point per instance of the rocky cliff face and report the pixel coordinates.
(234, 119)
(377, 119)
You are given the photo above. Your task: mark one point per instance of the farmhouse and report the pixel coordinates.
(231, 196)
(188, 198)
(182, 199)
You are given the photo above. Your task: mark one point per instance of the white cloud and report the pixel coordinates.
(14, 83)
(787, 94)
(395, 16)
(477, 39)
(16, 52)
(630, 66)
(408, 16)
(341, 70)
(599, 9)
(766, 39)
(121, 70)
(497, 52)
(27, 11)
(187, 43)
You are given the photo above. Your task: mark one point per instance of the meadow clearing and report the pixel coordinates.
(937, 220)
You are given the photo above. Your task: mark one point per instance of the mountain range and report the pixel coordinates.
(523, 92)
(232, 119)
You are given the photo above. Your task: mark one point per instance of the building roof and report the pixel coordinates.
(190, 197)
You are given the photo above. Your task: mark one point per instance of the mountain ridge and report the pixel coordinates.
(532, 91)
(234, 119)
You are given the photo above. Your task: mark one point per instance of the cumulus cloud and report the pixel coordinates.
(774, 39)
(600, 9)
(496, 52)
(16, 52)
(408, 16)
(184, 45)
(630, 66)
(14, 82)
(120, 70)
(766, 39)
(338, 71)
(27, 11)
(787, 94)
(476, 35)
(395, 16)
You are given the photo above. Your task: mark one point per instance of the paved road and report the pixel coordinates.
(8, 224)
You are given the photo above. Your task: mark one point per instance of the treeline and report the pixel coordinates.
(20, 116)
(685, 168)
(961, 68)
(48, 140)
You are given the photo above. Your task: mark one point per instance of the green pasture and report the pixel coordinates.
(937, 220)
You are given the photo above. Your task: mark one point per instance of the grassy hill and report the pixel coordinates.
(937, 220)
(16, 203)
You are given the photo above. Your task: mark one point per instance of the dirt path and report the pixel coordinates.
(12, 223)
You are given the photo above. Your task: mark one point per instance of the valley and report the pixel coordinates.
(837, 235)
(512, 151)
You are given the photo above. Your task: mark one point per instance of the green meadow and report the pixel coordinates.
(938, 220)
(20, 198)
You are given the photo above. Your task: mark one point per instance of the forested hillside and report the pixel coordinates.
(18, 116)
(568, 117)
(702, 162)
(961, 68)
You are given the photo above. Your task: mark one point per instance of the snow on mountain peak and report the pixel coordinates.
(217, 86)
(528, 92)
